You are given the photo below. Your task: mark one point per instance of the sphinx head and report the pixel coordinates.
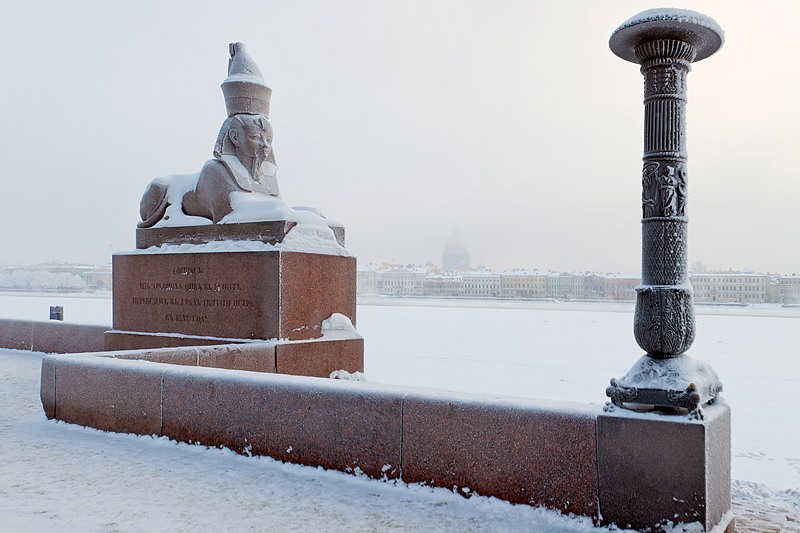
(251, 136)
(246, 136)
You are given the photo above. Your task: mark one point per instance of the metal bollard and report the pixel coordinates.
(665, 42)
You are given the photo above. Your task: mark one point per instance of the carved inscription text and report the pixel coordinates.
(195, 295)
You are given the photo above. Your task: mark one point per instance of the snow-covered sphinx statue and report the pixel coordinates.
(243, 169)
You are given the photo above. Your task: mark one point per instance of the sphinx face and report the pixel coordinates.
(257, 144)
(252, 137)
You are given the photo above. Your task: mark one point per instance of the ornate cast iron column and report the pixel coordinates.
(665, 42)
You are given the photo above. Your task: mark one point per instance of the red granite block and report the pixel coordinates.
(184, 356)
(47, 386)
(16, 334)
(319, 358)
(268, 231)
(123, 340)
(520, 452)
(653, 468)
(271, 232)
(232, 295)
(313, 287)
(255, 357)
(61, 337)
(227, 294)
(108, 394)
(334, 424)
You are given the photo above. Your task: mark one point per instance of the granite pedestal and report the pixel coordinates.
(653, 468)
(194, 299)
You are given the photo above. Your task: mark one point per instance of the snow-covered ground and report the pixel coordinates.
(59, 476)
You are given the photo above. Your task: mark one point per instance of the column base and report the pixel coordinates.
(657, 471)
(677, 384)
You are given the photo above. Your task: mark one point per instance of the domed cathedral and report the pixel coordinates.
(455, 256)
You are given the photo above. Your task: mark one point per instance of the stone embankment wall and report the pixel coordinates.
(51, 337)
(523, 451)
(636, 470)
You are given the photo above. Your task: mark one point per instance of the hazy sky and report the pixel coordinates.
(510, 121)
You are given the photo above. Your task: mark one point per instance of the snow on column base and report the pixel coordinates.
(679, 384)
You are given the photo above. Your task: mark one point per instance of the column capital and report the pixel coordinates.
(700, 32)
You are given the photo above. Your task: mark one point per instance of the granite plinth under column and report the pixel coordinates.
(653, 468)
(235, 295)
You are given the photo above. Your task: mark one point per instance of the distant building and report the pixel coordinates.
(789, 289)
(773, 289)
(99, 278)
(730, 287)
(410, 280)
(481, 284)
(367, 279)
(401, 281)
(619, 287)
(523, 284)
(565, 286)
(455, 256)
(593, 287)
(446, 284)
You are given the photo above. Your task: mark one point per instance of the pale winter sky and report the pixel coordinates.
(510, 121)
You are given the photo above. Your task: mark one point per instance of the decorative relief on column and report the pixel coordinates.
(664, 80)
(664, 189)
(663, 251)
(669, 76)
(664, 321)
(650, 198)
